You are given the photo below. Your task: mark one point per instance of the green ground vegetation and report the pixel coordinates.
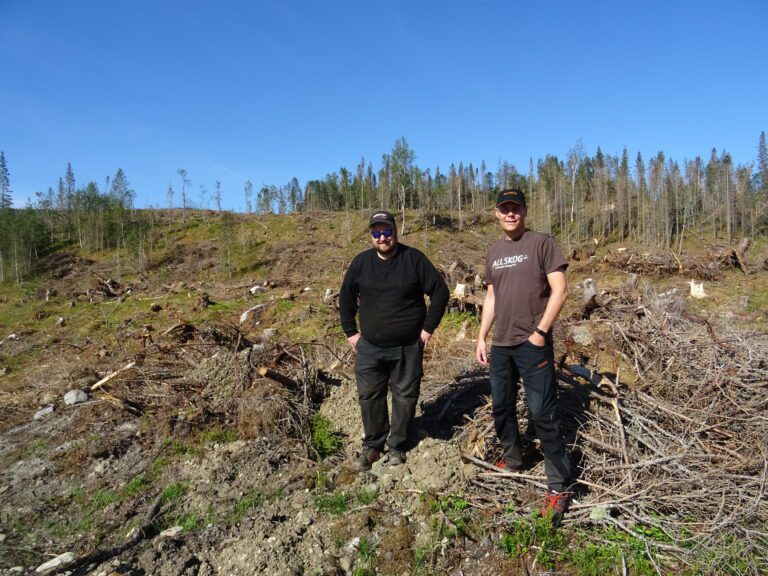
(333, 503)
(326, 441)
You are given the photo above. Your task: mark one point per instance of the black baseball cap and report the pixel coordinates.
(511, 195)
(382, 217)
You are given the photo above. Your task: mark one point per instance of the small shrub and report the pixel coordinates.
(596, 560)
(517, 542)
(652, 533)
(456, 510)
(325, 442)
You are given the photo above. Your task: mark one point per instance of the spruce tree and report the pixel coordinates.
(121, 190)
(762, 164)
(70, 182)
(5, 183)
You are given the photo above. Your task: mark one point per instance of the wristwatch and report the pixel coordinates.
(540, 331)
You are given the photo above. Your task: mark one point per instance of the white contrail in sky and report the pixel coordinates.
(221, 167)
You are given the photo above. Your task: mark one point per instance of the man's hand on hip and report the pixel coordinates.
(353, 341)
(537, 339)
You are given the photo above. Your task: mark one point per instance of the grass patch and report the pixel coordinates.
(282, 307)
(535, 535)
(325, 441)
(38, 449)
(421, 556)
(592, 559)
(453, 322)
(366, 557)
(365, 496)
(596, 559)
(137, 485)
(518, 541)
(57, 529)
(218, 436)
(103, 498)
(86, 508)
(251, 500)
(758, 301)
(181, 449)
(173, 492)
(189, 521)
(334, 504)
(605, 551)
(229, 306)
(321, 479)
(156, 469)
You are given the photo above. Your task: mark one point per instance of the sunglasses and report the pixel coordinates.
(387, 233)
(508, 208)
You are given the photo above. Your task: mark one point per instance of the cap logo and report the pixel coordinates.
(511, 195)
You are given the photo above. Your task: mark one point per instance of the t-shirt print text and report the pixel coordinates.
(509, 261)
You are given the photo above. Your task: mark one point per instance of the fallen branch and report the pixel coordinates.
(109, 377)
(120, 403)
(277, 377)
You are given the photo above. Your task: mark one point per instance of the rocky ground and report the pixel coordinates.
(255, 506)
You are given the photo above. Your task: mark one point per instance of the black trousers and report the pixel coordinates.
(377, 370)
(535, 365)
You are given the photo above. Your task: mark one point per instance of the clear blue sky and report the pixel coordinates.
(270, 89)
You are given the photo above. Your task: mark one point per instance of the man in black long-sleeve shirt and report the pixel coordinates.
(387, 284)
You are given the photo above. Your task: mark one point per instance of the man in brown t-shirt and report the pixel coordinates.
(525, 273)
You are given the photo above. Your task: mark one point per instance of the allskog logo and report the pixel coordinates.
(508, 261)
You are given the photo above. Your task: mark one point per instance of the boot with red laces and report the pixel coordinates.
(556, 504)
(504, 464)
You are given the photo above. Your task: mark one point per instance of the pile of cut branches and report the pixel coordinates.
(213, 374)
(682, 456)
(664, 264)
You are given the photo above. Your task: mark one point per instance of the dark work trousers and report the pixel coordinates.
(398, 368)
(535, 364)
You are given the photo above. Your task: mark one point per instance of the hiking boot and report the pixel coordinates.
(396, 458)
(506, 465)
(556, 504)
(367, 457)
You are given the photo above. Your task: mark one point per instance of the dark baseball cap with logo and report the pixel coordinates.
(382, 217)
(511, 195)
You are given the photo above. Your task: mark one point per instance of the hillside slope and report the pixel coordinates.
(258, 472)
